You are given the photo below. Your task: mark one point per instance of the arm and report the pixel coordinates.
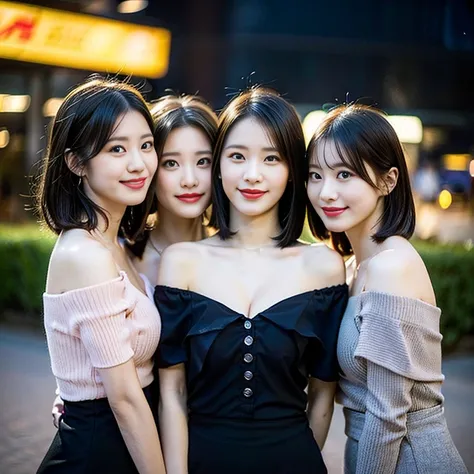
(175, 269)
(320, 408)
(100, 322)
(174, 419)
(134, 417)
(387, 405)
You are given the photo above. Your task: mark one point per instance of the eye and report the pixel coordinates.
(147, 145)
(117, 149)
(204, 162)
(170, 164)
(237, 157)
(272, 159)
(344, 174)
(314, 176)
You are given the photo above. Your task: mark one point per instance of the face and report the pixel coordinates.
(341, 199)
(120, 175)
(184, 173)
(254, 173)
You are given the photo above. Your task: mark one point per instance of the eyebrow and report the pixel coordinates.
(177, 153)
(338, 164)
(243, 147)
(124, 139)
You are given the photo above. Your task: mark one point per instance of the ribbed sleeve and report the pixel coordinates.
(98, 327)
(389, 349)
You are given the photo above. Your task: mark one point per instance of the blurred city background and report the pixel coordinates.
(412, 58)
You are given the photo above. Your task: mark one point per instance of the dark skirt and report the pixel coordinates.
(89, 440)
(239, 446)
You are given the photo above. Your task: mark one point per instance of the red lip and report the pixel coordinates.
(135, 183)
(190, 198)
(333, 211)
(252, 193)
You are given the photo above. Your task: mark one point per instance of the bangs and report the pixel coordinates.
(349, 154)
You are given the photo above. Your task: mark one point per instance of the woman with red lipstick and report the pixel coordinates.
(185, 131)
(102, 329)
(389, 345)
(250, 316)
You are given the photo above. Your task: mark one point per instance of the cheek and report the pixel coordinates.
(151, 163)
(165, 184)
(280, 177)
(204, 178)
(103, 168)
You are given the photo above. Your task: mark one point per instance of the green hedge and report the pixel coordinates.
(24, 257)
(24, 254)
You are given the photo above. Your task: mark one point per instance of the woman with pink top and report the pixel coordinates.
(185, 131)
(102, 329)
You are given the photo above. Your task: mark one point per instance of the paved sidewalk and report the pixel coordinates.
(27, 391)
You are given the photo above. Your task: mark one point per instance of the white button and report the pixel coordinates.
(247, 325)
(248, 341)
(247, 392)
(248, 357)
(248, 375)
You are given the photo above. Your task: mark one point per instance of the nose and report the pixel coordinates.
(328, 192)
(252, 172)
(136, 163)
(189, 178)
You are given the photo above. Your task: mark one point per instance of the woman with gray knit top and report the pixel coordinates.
(389, 346)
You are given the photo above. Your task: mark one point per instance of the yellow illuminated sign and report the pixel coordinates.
(456, 162)
(46, 36)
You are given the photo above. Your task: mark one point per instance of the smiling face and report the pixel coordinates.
(254, 173)
(184, 174)
(341, 198)
(120, 175)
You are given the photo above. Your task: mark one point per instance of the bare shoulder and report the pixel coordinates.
(324, 265)
(178, 264)
(398, 269)
(78, 261)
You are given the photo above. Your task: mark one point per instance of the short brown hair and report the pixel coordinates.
(362, 135)
(283, 125)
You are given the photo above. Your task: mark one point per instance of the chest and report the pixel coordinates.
(249, 283)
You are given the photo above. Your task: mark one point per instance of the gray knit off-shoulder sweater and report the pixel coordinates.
(389, 351)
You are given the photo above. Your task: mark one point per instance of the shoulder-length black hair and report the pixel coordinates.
(169, 113)
(82, 126)
(280, 120)
(362, 135)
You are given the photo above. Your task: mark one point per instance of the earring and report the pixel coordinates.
(80, 181)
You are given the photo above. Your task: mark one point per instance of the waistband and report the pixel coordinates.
(210, 420)
(355, 420)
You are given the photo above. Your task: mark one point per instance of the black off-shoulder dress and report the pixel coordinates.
(246, 378)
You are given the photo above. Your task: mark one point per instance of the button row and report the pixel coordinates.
(248, 358)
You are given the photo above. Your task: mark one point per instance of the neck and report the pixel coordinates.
(172, 229)
(254, 231)
(360, 236)
(109, 230)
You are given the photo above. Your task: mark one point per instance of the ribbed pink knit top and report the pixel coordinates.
(98, 327)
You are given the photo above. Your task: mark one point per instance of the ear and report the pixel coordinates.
(390, 180)
(72, 162)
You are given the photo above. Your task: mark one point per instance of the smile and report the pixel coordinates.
(333, 211)
(135, 183)
(252, 194)
(190, 198)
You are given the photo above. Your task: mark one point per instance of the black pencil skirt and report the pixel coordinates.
(250, 446)
(89, 440)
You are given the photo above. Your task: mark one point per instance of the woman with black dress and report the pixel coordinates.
(250, 316)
